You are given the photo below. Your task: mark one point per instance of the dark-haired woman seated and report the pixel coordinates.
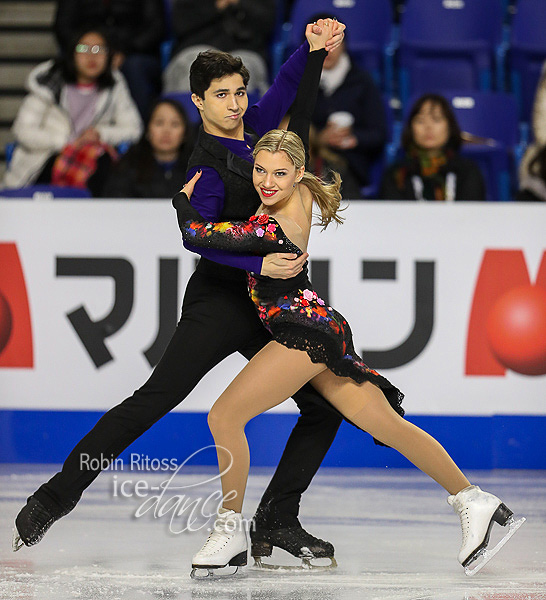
(77, 111)
(155, 167)
(432, 168)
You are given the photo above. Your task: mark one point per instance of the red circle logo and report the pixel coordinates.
(516, 330)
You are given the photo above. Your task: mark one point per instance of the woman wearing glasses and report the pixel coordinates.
(77, 110)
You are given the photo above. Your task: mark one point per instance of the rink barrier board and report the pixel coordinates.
(475, 442)
(88, 305)
(418, 283)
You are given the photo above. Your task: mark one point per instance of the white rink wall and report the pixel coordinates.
(369, 268)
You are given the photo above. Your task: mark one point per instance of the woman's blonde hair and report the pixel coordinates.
(326, 195)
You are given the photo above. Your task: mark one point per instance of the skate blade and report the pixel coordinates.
(200, 573)
(306, 565)
(486, 554)
(16, 542)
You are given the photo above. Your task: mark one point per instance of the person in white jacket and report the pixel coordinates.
(75, 100)
(529, 169)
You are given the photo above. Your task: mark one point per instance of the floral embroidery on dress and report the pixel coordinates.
(263, 226)
(308, 305)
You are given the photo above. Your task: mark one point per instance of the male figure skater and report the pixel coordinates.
(217, 319)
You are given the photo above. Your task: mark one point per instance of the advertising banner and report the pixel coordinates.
(449, 301)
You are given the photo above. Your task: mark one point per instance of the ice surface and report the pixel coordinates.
(395, 538)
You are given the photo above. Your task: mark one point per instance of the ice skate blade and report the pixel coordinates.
(306, 565)
(16, 542)
(200, 573)
(486, 554)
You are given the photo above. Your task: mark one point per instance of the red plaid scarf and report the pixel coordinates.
(75, 164)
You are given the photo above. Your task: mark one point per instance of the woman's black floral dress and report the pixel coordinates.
(289, 308)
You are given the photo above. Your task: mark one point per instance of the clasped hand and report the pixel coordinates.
(325, 33)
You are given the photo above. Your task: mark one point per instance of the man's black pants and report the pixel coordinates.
(218, 318)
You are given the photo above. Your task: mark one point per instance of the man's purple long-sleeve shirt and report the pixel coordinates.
(208, 195)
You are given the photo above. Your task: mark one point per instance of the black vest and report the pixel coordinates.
(240, 201)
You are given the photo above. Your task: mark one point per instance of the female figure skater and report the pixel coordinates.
(311, 342)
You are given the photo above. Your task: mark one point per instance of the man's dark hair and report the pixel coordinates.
(214, 64)
(454, 141)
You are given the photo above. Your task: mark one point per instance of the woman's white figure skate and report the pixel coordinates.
(226, 546)
(478, 512)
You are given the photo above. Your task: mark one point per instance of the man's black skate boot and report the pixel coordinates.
(294, 540)
(33, 521)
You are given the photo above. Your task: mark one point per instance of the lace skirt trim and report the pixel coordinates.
(343, 366)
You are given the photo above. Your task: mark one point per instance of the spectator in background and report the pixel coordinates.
(77, 109)
(323, 161)
(136, 29)
(432, 168)
(349, 117)
(155, 167)
(533, 184)
(530, 168)
(240, 27)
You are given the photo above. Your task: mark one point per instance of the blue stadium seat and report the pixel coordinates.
(369, 31)
(527, 52)
(377, 168)
(9, 150)
(493, 117)
(45, 191)
(279, 39)
(185, 99)
(449, 44)
(168, 43)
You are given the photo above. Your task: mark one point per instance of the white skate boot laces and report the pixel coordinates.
(225, 546)
(217, 541)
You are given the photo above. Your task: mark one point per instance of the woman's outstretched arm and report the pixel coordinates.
(260, 234)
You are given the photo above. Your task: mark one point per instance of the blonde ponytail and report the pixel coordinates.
(326, 195)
